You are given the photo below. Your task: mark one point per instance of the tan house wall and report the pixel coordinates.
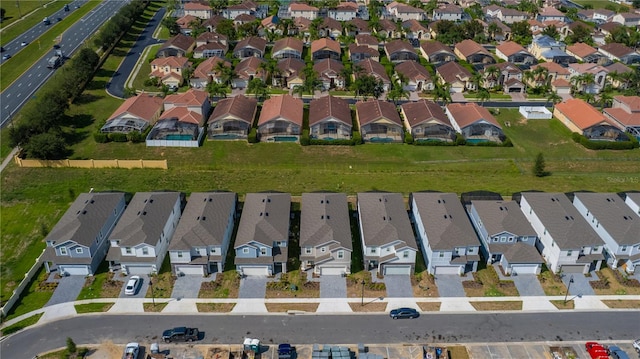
(566, 121)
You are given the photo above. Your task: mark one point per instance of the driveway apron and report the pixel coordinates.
(68, 290)
(188, 286)
(527, 285)
(580, 285)
(333, 286)
(450, 285)
(398, 286)
(253, 287)
(142, 287)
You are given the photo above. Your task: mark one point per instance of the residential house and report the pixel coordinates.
(436, 52)
(616, 224)
(474, 122)
(427, 121)
(388, 29)
(620, 52)
(210, 44)
(345, 11)
(388, 243)
(599, 75)
(513, 52)
(291, 73)
(551, 14)
(358, 27)
(78, 243)
(247, 70)
(330, 73)
(598, 16)
(262, 241)
(447, 239)
(177, 46)
(566, 241)
(506, 15)
(502, 33)
(140, 239)
(414, 30)
(546, 48)
(270, 25)
(625, 114)
(250, 47)
(198, 10)
(405, 12)
(325, 49)
(618, 68)
(455, 75)
(633, 201)
(211, 23)
(243, 19)
(536, 27)
(367, 40)
(473, 53)
(232, 118)
(398, 51)
(325, 234)
(280, 119)
(135, 114)
(208, 72)
(509, 77)
(169, 70)
(246, 7)
(448, 12)
(358, 53)
(554, 72)
(628, 19)
(379, 121)
(608, 28)
(330, 28)
(588, 54)
(200, 243)
(302, 28)
(182, 122)
(582, 118)
(287, 47)
(373, 68)
(303, 10)
(186, 22)
(506, 235)
(330, 119)
(417, 76)
(195, 101)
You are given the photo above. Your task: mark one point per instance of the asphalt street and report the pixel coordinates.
(21, 90)
(118, 82)
(333, 329)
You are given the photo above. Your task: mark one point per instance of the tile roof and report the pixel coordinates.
(325, 43)
(470, 47)
(466, 114)
(180, 41)
(414, 25)
(387, 25)
(291, 67)
(196, 6)
(609, 26)
(398, 45)
(413, 70)
(451, 71)
(551, 11)
(328, 65)
(619, 68)
(581, 49)
(448, 9)
(616, 49)
(182, 114)
(249, 67)
(372, 67)
(204, 221)
(363, 49)
(213, 21)
(302, 23)
(422, 111)
(208, 67)
(632, 101)
(211, 37)
(288, 42)
(253, 41)
(244, 18)
(366, 39)
(192, 97)
(560, 83)
(265, 219)
(431, 47)
(501, 216)
(210, 46)
(553, 68)
(581, 113)
(285, 106)
(331, 24)
(509, 48)
(623, 117)
(384, 219)
(372, 110)
(239, 107)
(562, 220)
(325, 107)
(324, 219)
(613, 215)
(360, 24)
(172, 61)
(445, 221)
(268, 21)
(143, 106)
(301, 7)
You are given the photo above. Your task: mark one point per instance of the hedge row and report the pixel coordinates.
(605, 145)
(134, 137)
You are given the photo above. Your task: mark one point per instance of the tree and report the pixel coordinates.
(492, 73)
(398, 91)
(218, 5)
(71, 346)
(46, 146)
(368, 85)
(539, 166)
(257, 87)
(521, 33)
(216, 90)
(553, 98)
(605, 99)
(493, 29)
(636, 4)
(475, 11)
(551, 31)
(171, 24)
(483, 95)
(227, 28)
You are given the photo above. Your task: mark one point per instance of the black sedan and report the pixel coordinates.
(404, 313)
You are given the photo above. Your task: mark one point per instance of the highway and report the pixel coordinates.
(21, 90)
(331, 329)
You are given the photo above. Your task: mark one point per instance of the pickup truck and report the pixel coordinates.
(180, 334)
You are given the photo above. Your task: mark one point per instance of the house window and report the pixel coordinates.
(307, 250)
(495, 239)
(145, 251)
(323, 249)
(79, 250)
(503, 239)
(545, 231)
(569, 253)
(340, 254)
(510, 239)
(470, 250)
(441, 254)
(179, 254)
(282, 244)
(405, 254)
(624, 248)
(245, 250)
(389, 249)
(263, 251)
(214, 250)
(128, 250)
(63, 251)
(373, 250)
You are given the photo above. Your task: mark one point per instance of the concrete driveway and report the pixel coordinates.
(450, 285)
(188, 286)
(333, 286)
(253, 287)
(68, 290)
(528, 285)
(142, 288)
(580, 285)
(398, 286)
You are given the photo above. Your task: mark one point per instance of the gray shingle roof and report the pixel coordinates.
(384, 219)
(614, 215)
(144, 218)
(500, 216)
(445, 221)
(204, 220)
(85, 218)
(634, 196)
(324, 219)
(562, 220)
(517, 253)
(265, 219)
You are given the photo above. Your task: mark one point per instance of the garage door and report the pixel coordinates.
(190, 270)
(75, 270)
(573, 269)
(332, 270)
(397, 270)
(139, 270)
(524, 269)
(255, 271)
(447, 270)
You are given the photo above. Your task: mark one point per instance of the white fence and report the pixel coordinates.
(22, 286)
(535, 112)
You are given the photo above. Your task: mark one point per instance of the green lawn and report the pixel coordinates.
(93, 307)
(33, 297)
(145, 70)
(597, 4)
(21, 61)
(21, 324)
(15, 13)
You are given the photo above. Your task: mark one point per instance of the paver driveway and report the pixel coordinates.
(188, 286)
(580, 285)
(333, 286)
(253, 287)
(142, 287)
(398, 286)
(528, 285)
(450, 285)
(68, 290)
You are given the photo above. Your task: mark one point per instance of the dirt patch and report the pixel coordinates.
(501, 305)
(612, 282)
(551, 283)
(111, 287)
(215, 307)
(429, 306)
(371, 289)
(458, 352)
(106, 350)
(368, 307)
(424, 285)
(632, 304)
(285, 307)
(150, 307)
(560, 304)
(226, 285)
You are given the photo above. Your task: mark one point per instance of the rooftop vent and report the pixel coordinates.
(321, 201)
(266, 214)
(210, 199)
(92, 201)
(151, 201)
(144, 213)
(204, 218)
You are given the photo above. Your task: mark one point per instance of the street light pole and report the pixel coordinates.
(153, 296)
(568, 288)
(362, 296)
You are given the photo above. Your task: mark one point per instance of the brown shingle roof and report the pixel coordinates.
(355, 49)
(211, 37)
(581, 49)
(423, 111)
(143, 106)
(552, 67)
(398, 45)
(582, 114)
(372, 67)
(470, 47)
(509, 48)
(360, 24)
(468, 113)
(413, 71)
(372, 110)
(609, 26)
(285, 106)
(387, 25)
(329, 106)
(617, 49)
(452, 72)
(248, 67)
(366, 39)
(431, 47)
(255, 42)
(332, 24)
(181, 41)
(328, 65)
(325, 43)
(208, 66)
(239, 106)
(288, 42)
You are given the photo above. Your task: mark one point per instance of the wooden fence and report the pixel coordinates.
(162, 164)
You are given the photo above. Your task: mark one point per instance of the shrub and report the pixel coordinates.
(253, 136)
(304, 139)
(605, 145)
(357, 138)
(434, 143)
(460, 140)
(100, 137)
(135, 137)
(408, 139)
(118, 137)
(331, 142)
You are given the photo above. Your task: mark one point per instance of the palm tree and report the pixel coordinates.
(553, 98)
(493, 29)
(483, 95)
(225, 73)
(270, 67)
(588, 79)
(492, 73)
(589, 97)
(605, 99)
(476, 80)
(216, 90)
